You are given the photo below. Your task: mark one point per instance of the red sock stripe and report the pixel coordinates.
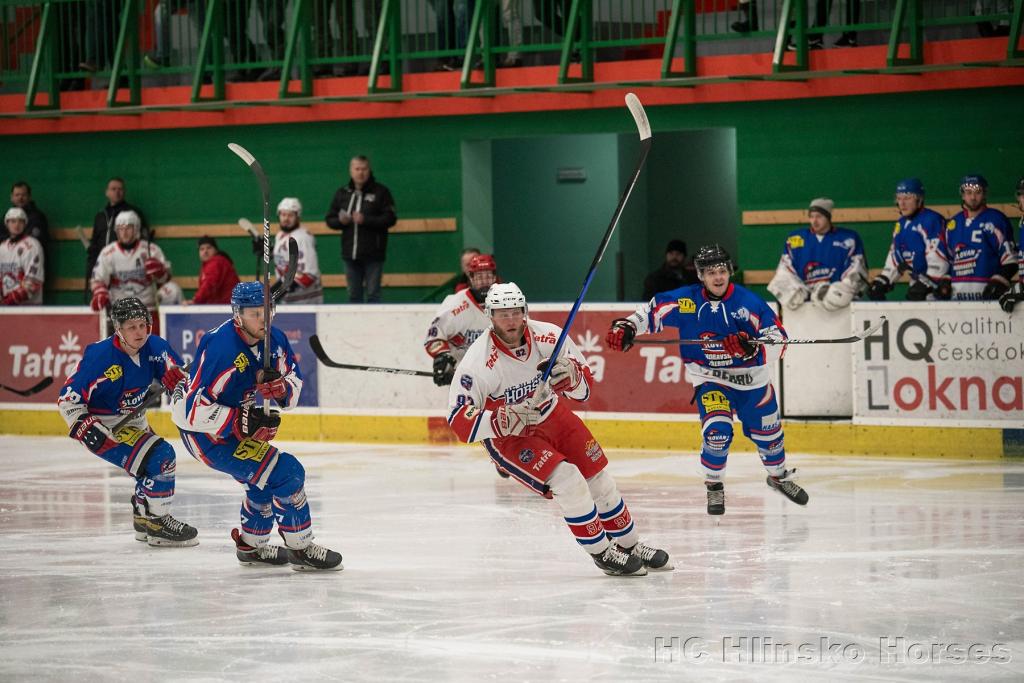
(587, 530)
(619, 521)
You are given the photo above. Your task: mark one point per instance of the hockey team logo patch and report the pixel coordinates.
(715, 401)
(794, 241)
(241, 362)
(113, 373)
(526, 456)
(687, 306)
(594, 451)
(466, 381)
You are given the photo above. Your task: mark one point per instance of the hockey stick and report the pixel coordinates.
(261, 178)
(644, 129)
(772, 342)
(246, 224)
(43, 383)
(321, 355)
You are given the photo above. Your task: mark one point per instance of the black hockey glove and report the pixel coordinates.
(919, 289)
(444, 369)
(995, 288)
(879, 287)
(252, 423)
(1012, 297)
(93, 434)
(944, 290)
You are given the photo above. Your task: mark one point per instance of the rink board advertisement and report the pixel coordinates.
(184, 326)
(940, 364)
(42, 342)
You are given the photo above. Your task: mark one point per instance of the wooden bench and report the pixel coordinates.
(876, 214)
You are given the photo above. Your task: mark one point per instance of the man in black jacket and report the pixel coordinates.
(38, 226)
(362, 210)
(103, 227)
(674, 272)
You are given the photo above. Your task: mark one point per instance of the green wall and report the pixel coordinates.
(787, 152)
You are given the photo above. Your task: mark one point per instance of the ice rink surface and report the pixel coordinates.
(896, 570)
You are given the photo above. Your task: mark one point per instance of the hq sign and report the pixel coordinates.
(940, 363)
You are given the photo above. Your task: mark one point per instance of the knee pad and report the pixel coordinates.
(160, 461)
(717, 437)
(603, 489)
(570, 489)
(287, 477)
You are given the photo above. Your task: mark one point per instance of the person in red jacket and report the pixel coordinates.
(218, 275)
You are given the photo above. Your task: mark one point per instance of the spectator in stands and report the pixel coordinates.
(462, 282)
(350, 44)
(674, 272)
(749, 22)
(979, 243)
(512, 20)
(217, 274)
(102, 17)
(821, 263)
(363, 210)
(21, 262)
(452, 28)
(103, 232)
(38, 226)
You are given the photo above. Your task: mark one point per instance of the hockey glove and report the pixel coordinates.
(171, 378)
(93, 434)
(15, 296)
(919, 289)
(270, 384)
(739, 345)
(944, 289)
(444, 369)
(565, 375)
(519, 419)
(996, 287)
(100, 298)
(155, 269)
(620, 336)
(879, 287)
(1013, 296)
(794, 299)
(252, 423)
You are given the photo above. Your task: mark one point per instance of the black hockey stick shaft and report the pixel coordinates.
(42, 384)
(318, 349)
(261, 178)
(644, 129)
(860, 336)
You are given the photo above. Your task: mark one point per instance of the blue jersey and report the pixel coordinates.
(109, 383)
(697, 317)
(223, 377)
(978, 248)
(831, 257)
(917, 247)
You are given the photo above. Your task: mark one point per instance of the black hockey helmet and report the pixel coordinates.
(128, 308)
(711, 255)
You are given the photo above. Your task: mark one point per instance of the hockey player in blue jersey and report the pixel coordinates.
(222, 425)
(980, 245)
(729, 373)
(916, 249)
(1015, 294)
(109, 382)
(820, 263)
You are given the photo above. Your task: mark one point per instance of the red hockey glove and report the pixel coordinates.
(565, 374)
(15, 296)
(620, 336)
(739, 345)
(270, 384)
(155, 269)
(252, 423)
(171, 378)
(93, 434)
(100, 298)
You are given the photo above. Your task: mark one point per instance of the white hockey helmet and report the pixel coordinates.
(290, 204)
(15, 213)
(504, 295)
(128, 218)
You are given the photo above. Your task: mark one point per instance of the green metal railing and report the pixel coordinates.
(121, 45)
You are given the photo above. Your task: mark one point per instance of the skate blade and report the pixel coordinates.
(262, 565)
(307, 568)
(165, 543)
(639, 572)
(667, 568)
(141, 536)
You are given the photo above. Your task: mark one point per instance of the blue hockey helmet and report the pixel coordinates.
(246, 295)
(975, 181)
(910, 186)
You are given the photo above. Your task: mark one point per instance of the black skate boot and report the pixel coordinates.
(258, 556)
(654, 559)
(139, 519)
(716, 497)
(787, 487)
(315, 558)
(168, 532)
(615, 562)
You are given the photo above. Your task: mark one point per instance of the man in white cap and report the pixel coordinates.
(820, 263)
(21, 262)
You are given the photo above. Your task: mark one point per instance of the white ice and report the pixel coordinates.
(454, 574)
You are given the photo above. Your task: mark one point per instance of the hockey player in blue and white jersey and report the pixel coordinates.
(980, 245)
(820, 263)
(221, 420)
(1015, 294)
(730, 373)
(109, 382)
(916, 249)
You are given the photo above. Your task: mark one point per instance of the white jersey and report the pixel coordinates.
(307, 288)
(491, 375)
(123, 271)
(459, 322)
(21, 266)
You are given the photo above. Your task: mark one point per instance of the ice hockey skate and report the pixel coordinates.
(258, 556)
(653, 558)
(168, 532)
(313, 558)
(787, 487)
(139, 520)
(615, 562)
(716, 497)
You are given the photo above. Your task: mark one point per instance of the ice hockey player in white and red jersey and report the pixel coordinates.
(529, 431)
(110, 381)
(129, 267)
(306, 288)
(460, 319)
(21, 263)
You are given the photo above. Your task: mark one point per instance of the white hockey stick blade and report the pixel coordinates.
(246, 224)
(242, 152)
(639, 115)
